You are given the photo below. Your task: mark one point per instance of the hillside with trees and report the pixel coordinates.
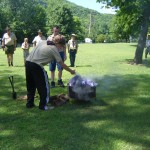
(25, 17)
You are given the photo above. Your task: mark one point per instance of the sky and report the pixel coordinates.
(92, 4)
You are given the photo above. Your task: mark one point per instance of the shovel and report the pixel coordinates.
(14, 94)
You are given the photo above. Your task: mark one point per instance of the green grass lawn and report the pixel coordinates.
(119, 118)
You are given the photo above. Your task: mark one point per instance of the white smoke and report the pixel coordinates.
(84, 88)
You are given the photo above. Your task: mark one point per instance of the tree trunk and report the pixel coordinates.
(142, 40)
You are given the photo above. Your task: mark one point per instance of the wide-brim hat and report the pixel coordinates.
(39, 31)
(7, 28)
(73, 34)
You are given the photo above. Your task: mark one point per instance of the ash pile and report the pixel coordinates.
(82, 89)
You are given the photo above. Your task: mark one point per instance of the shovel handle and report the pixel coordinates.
(12, 83)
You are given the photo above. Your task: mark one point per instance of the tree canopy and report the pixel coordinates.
(133, 15)
(25, 17)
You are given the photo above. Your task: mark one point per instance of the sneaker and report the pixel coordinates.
(52, 84)
(48, 107)
(30, 105)
(60, 83)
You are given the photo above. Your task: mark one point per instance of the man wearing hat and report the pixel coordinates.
(72, 49)
(9, 45)
(36, 76)
(38, 38)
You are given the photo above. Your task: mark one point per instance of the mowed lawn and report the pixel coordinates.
(119, 118)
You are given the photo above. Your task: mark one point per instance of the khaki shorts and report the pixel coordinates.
(9, 49)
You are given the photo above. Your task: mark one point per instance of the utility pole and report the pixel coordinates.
(90, 24)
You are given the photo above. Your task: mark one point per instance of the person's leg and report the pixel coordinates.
(52, 67)
(60, 70)
(7, 52)
(146, 52)
(74, 57)
(25, 55)
(59, 74)
(30, 83)
(71, 58)
(11, 50)
(8, 60)
(43, 88)
(11, 59)
(148, 49)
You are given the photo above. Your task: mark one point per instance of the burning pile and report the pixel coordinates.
(81, 88)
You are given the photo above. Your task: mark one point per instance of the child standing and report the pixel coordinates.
(25, 46)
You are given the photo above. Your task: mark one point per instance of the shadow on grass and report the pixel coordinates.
(123, 121)
(146, 62)
(134, 45)
(84, 66)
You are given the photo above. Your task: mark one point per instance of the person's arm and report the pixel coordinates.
(34, 42)
(22, 46)
(65, 55)
(15, 42)
(3, 42)
(67, 68)
(76, 47)
(28, 46)
(68, 46)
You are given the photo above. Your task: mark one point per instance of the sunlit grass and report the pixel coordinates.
(117, 120)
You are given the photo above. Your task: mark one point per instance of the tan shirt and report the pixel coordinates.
(9, 40)
(72, 44)
(43, 54)
(38, 39)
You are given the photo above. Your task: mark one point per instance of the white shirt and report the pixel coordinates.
(72, 44)
(25, 45)
(9, 40)
(38, 39)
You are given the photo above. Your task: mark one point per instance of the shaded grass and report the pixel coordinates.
(117, 119)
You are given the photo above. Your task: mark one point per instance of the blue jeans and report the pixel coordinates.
(52, 65)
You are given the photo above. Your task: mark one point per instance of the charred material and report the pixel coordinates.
(81, 89)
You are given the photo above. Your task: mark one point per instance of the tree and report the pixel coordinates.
(139, 11)
(63, 18)
(78, 28)
(25, 17)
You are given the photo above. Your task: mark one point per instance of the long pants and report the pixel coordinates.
(36, 78)
(72, 57)
(147, 51)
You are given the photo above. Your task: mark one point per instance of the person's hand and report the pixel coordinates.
(73, 72)
(65, 57)
(3, 47)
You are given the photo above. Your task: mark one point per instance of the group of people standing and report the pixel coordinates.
(50, 51)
